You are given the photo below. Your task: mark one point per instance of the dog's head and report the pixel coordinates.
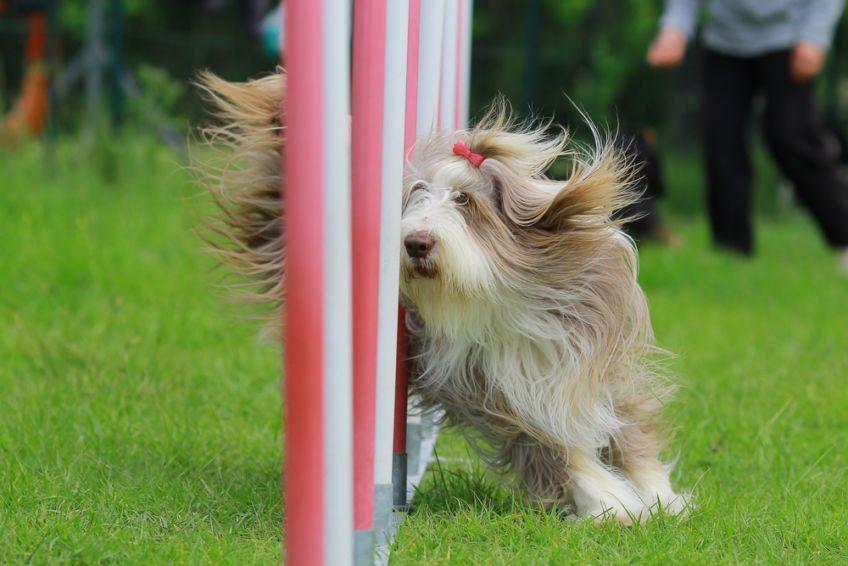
(471, 228)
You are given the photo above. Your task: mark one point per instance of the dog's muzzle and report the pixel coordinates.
(419, 247)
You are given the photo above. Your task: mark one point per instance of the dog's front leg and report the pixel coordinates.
(637, 454)
(601, 493)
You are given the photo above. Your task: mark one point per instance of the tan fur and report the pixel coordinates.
(528, 326)
(245, 182)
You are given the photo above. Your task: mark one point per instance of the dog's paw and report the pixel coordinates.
(670, 504)
(625, 510)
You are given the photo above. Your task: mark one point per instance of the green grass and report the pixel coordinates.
(761, 419)
(139, 415)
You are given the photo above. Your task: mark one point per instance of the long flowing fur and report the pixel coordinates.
(528, 326)
(550, 346)
(245, 182)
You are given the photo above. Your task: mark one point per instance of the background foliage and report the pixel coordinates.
(538, 53)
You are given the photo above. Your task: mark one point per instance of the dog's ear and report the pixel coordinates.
(517, 157)
(599, 187)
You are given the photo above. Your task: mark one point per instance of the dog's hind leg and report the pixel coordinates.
(636, 453)
(540, 470)
(600, 492)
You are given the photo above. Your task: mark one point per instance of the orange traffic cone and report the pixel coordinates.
(28, 116)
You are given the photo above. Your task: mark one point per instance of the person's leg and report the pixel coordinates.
(797, 140)
(645, 222)
(728, 85)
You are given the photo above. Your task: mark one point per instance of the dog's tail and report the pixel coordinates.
(243, 175)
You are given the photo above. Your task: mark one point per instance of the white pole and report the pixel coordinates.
(338, 350)
(429, 65)
(430, 45)
(447, 110)
(394, 106)
(465, 62)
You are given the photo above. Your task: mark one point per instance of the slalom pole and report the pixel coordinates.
(399, 455)
(317, 333)
(447, 91)
(463, 60)
(400, 470)
(431, 32)
(394, 107)
(369, 62)
(429, 65)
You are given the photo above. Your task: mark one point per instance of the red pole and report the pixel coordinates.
(369, 52)
(411, 120)
(303, 333)
(399, 471)
(401, 391)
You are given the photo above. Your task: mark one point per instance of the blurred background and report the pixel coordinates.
(128, 64)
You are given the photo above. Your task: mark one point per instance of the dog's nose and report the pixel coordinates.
(419, 244)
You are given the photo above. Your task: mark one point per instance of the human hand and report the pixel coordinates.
(667, 49)
(806, 61)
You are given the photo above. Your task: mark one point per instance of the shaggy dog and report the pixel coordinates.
(528, 327)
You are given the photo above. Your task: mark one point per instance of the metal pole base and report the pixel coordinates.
(363, 548)
(399, 469)
(382, 510)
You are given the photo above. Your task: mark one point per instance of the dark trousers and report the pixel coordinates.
(794, 136)
(643, 217)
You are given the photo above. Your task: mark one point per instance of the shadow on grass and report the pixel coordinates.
(451, 488)
(469, 489)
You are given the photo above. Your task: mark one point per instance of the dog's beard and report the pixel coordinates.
(457, 268)
(422, 268)
(457, 264)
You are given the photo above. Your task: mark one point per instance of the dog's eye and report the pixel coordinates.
(417, 186)
(460, 199)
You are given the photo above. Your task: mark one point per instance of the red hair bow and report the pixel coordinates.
(475, 159)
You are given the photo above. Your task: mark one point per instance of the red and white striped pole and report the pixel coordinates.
(399, 456)
(369, 55)
(329, 385)
(435, 75)
(394, 108)
(317, 390)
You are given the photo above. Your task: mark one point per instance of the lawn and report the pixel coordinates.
(139, 414)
